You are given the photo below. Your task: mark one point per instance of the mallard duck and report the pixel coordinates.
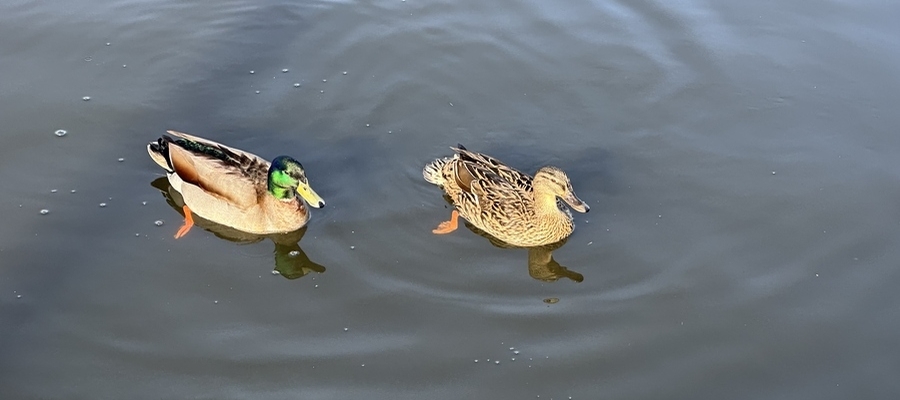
(506, 203)
(233, 187)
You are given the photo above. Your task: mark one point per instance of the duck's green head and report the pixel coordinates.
(286, 177)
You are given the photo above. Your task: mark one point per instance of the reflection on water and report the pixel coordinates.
(290, 260)
(541, 265)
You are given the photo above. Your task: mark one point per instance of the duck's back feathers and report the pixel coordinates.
(236, 176)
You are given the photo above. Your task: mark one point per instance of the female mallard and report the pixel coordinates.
(508, 204)
(233, 187)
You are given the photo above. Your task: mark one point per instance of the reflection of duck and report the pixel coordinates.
(233, 187)
(504, 202)
(290, 260)
(541, 265)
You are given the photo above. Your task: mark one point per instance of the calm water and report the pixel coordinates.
(741, 160)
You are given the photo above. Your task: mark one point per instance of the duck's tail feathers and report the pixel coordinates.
(159, 152)
(433, 171)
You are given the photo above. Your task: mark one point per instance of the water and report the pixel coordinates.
(703, 274)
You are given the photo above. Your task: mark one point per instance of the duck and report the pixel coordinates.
(510, 205)
(233, 187)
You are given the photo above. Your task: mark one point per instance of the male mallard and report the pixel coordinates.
(233, 187)
(508, 204)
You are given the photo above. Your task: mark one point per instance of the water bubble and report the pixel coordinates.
(45, 211)
(296, 85)
(321, 91)
(143, 203)
(324, 80)
(512, 348)
(102, 204)
(476, 361)
(72, 191)
(60, 132)
(215, 302)
(275, 272)
(367, 125)
(137, 235)
(497, 362)
(346, 329)
(345, 72)
(516, 352)
(158, 222)
(773, 172)
(316, 286)
(284, 70)
(294, 253)
(252, 72)
(257, 92)
(53, 190)
(352, 247)
(18, 296)
(86, 98)
(124, 66)
(88, 59)
(121, 159)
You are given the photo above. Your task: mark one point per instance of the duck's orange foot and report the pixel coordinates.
(188, 223)
(447, 226)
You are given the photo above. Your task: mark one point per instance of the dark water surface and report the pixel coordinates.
(740, 157)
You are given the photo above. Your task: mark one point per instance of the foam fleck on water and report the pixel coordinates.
(45, 211)
(158, 222)
(102, 204)
(294, 253)
(86, 98)
(296, 85)
(60, 132)
(285, 70)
